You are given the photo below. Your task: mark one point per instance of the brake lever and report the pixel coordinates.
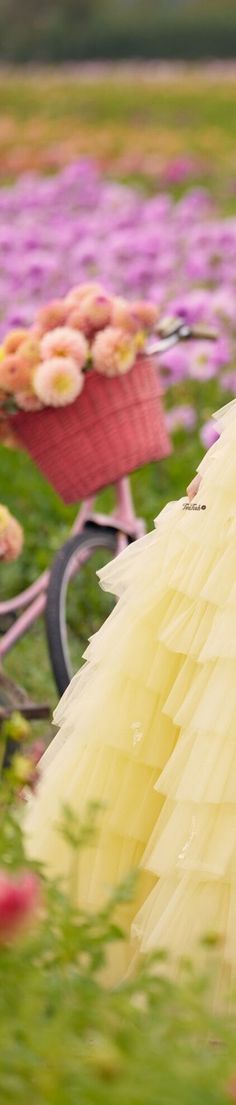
(204, 333)
(172, 331)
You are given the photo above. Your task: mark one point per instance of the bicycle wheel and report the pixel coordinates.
(76, 605)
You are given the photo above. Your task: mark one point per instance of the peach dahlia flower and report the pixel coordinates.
(58, 381)
(113, 352)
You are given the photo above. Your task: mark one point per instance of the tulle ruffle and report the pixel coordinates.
(148, 726)
(181, 911)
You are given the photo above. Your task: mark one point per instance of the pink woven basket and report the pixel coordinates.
(115, 426)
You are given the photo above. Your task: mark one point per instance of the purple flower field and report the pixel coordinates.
(58, 231)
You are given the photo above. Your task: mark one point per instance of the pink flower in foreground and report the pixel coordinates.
(113, 352)
(94, 312)
(209, 434)
(65, 342)
(11, 535)
(19, 900)
(58, 381)
(54, 314)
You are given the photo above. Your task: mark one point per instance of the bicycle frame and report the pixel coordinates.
(32, 601)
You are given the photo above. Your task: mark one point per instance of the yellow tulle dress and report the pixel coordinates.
(148, 728)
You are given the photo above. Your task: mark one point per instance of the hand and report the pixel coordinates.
(193, 487)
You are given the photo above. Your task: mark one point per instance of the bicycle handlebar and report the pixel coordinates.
(170, 331)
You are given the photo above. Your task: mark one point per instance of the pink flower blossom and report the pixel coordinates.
(14, 374)
(94, 312)
(174, 364)
(11, 535)
(54, 314)
(198, 265)
(193, 306)
(209, 434)
(19, 900)
(221, 352)
(147, 314)
(223, 304)
(181, 417)
(135, 315)
(27, 358)
(202, 365)
(179, 169)
(113, 352)
(123, 315)
(58, 381)
(26, 400)
(65, 342)
(81, 291)
(14, 340)
(228, 381)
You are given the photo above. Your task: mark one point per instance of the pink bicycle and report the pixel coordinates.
(62, 592)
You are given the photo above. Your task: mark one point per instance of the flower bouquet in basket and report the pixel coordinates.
(79, 393)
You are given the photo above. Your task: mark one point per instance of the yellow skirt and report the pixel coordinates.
(148, 729)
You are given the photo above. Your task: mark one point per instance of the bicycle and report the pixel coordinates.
(92, 533)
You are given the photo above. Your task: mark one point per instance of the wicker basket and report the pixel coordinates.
(115, 426)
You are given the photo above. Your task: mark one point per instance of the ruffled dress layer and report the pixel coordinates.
(148, 728)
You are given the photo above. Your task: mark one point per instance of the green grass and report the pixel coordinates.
(188, 100)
